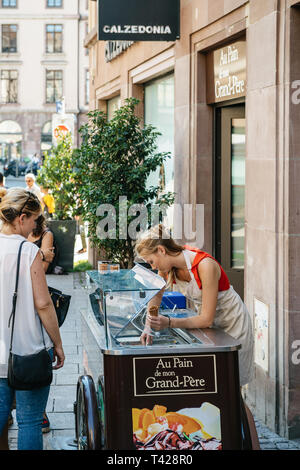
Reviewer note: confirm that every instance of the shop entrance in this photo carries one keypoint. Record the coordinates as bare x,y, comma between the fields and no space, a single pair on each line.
230,192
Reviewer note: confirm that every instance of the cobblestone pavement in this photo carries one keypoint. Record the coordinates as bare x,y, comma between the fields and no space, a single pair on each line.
63,389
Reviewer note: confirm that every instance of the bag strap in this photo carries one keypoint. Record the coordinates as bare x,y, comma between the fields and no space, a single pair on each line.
14,302
15,296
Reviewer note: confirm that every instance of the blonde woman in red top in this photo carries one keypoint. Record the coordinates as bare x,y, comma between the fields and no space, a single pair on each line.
201,279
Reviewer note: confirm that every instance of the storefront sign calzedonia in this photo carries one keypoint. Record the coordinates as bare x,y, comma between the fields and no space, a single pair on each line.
135,20
226,72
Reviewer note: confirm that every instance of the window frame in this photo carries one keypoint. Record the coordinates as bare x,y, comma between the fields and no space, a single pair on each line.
55,32
54,6
17,28
9,6
54,81
9,80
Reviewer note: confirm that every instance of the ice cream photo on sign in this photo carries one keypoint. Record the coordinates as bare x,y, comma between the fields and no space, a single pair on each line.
186,429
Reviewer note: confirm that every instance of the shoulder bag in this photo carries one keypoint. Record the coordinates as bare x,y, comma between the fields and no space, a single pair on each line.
61,304
31,371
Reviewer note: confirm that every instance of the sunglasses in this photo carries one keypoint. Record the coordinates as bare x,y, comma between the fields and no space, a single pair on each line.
30,196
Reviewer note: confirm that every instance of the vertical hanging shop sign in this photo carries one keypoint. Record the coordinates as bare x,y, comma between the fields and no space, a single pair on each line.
226,72
133,20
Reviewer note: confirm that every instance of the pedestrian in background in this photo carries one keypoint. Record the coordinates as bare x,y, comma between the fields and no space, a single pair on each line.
48,201
81,232
43,238
33,187
19,210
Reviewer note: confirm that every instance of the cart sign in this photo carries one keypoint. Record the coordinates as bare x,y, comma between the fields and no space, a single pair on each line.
135,20
174,375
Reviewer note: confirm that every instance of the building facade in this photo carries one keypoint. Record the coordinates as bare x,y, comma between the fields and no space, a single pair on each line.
227,98
42,60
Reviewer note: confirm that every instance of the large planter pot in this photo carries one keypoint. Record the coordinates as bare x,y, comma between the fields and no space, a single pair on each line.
64,232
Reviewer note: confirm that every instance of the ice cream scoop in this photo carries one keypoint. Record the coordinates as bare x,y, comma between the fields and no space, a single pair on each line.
153,311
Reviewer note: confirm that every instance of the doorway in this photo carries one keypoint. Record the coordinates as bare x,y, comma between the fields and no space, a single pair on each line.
230,193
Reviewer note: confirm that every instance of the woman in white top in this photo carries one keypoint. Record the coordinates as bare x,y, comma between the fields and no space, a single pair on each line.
19,210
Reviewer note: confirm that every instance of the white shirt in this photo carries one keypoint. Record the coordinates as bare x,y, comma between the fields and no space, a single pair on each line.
27,338
35,190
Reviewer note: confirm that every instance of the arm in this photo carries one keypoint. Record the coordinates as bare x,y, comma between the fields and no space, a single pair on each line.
45,308
46,248
209,273
156,300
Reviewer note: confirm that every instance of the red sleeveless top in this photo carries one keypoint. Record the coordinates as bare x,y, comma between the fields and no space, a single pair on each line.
224,283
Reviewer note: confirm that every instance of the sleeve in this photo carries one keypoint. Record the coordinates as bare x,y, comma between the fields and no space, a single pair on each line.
32,251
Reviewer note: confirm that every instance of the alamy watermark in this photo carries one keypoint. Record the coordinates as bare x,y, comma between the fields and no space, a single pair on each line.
129,222
296,94
296,353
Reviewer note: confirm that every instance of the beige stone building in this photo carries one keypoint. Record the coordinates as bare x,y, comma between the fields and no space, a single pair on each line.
42,59
226,97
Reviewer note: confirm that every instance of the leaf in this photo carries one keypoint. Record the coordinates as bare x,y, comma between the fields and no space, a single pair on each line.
115,159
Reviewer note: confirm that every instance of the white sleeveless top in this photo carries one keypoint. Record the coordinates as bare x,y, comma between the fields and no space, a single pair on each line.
27,337
231,315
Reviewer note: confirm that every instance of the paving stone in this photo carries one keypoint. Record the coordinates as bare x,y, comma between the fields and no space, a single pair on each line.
69,368
268,446
62,421
67,379
282,445
63,405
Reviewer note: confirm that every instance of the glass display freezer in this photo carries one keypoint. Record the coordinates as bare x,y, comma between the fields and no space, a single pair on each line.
180,392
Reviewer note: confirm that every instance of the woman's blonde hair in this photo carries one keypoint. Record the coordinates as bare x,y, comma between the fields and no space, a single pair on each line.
3,191
18,201
156,236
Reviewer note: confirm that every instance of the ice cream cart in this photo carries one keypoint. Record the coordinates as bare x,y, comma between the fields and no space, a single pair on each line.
180,392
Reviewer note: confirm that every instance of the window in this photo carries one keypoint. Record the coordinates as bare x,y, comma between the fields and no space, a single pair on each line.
10,141
54,80
9,86
9,38
46,137
112,105
54,3
53,38
159,112
9,3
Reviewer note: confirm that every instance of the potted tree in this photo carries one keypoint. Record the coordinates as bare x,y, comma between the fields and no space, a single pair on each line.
57,174
112,171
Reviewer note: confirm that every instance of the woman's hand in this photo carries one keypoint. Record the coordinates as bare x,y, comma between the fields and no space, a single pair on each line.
146,337
158,323
48,254
59,357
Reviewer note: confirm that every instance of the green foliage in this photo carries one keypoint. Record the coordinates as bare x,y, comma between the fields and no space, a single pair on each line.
115,160
81,266
57,174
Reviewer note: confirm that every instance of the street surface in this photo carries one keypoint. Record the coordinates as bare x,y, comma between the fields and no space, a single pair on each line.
11,182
